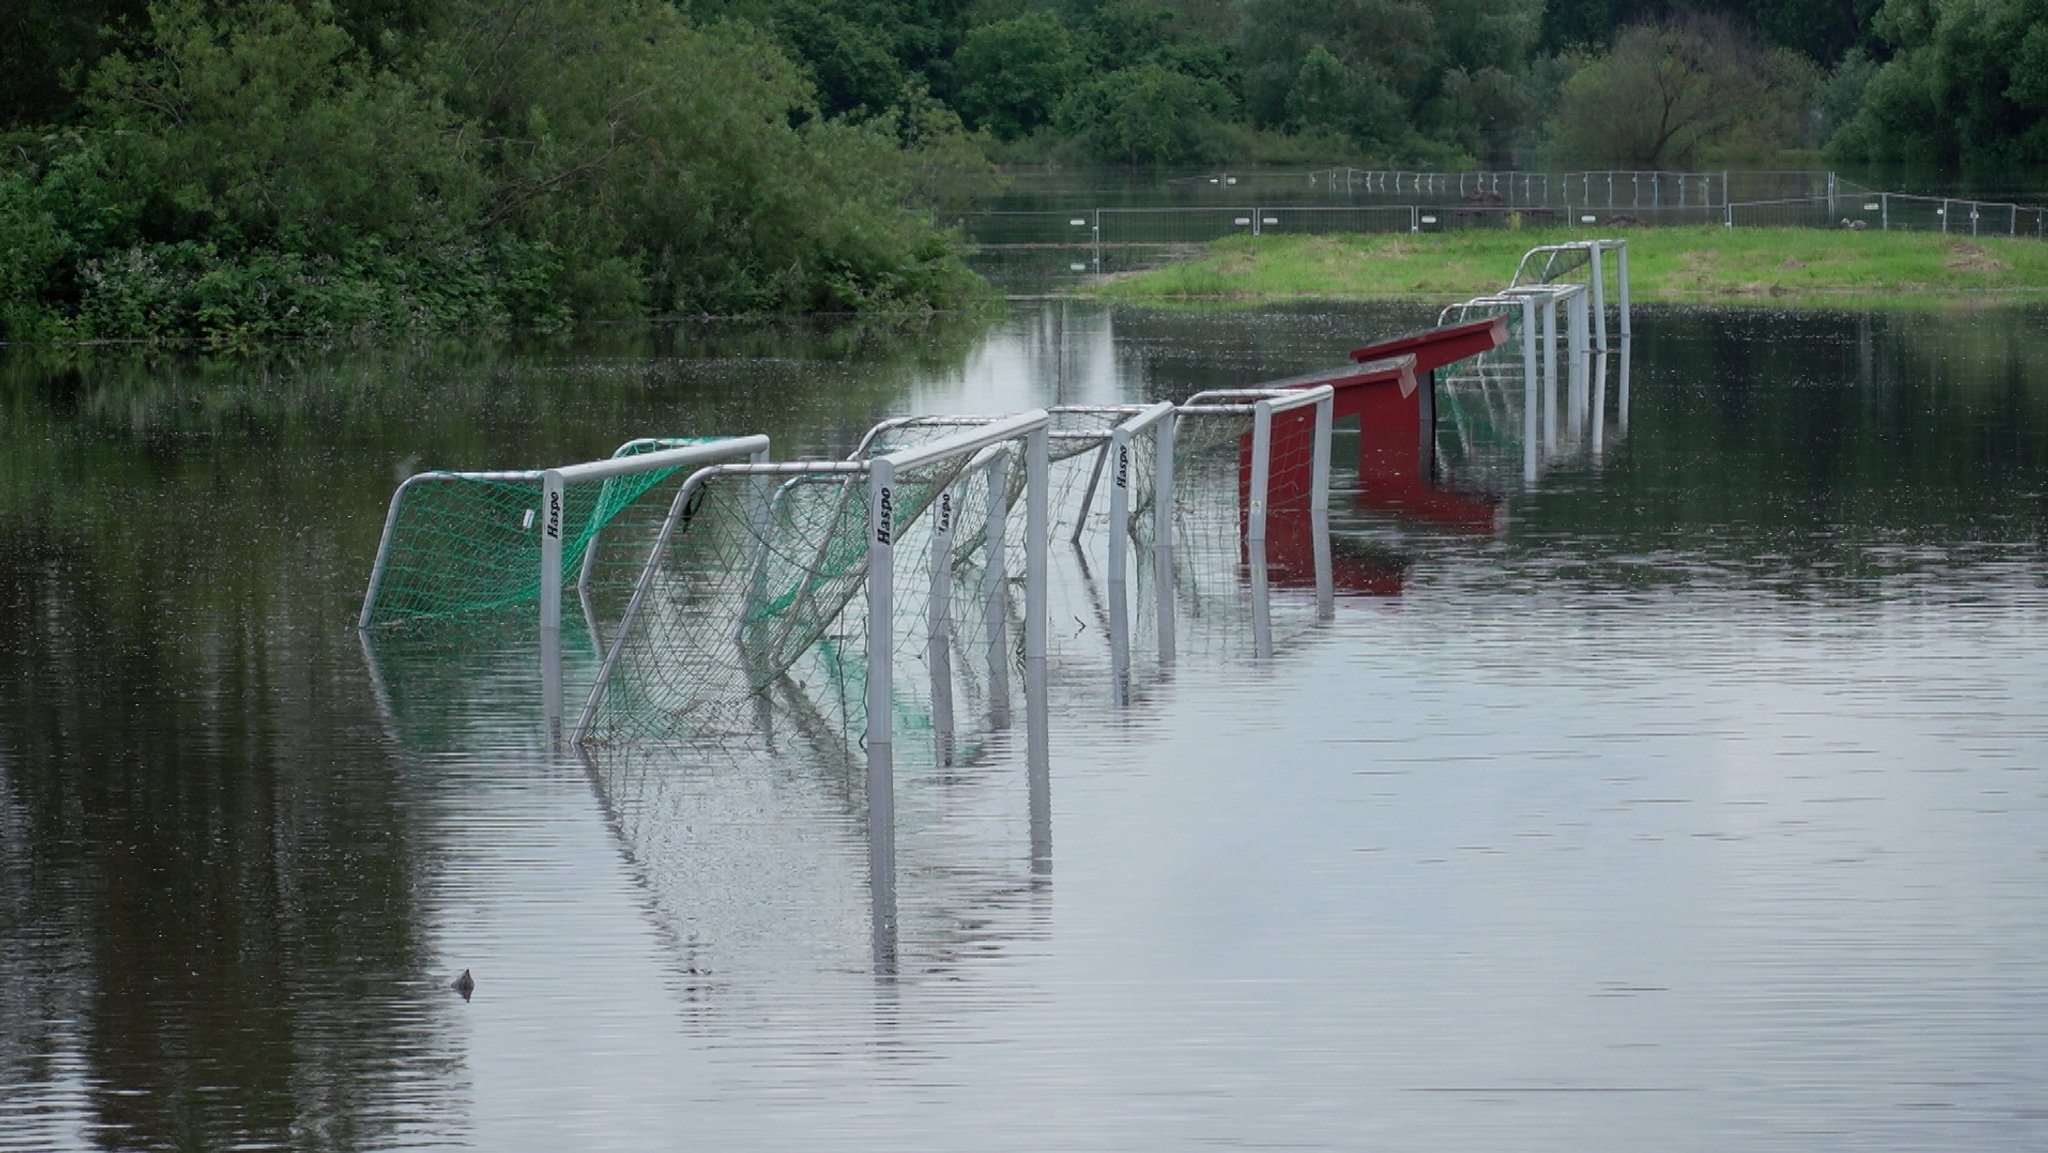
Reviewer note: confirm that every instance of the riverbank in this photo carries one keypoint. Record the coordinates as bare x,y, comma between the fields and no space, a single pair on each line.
1703,264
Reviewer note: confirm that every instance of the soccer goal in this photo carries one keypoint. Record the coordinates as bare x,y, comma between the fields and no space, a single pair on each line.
456,543
1104,471
1550,264
1251,494
825,575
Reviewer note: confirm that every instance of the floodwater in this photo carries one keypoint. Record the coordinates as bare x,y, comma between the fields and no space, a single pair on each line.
1685,794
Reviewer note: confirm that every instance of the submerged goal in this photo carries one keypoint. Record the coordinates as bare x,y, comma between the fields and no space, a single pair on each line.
456,543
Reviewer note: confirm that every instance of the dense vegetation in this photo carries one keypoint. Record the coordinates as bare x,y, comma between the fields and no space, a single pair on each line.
269,170
291,168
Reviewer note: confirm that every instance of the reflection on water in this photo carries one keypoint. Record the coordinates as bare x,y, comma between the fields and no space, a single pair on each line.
1692,787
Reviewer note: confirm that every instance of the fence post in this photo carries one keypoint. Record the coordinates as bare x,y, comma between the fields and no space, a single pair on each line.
1884,211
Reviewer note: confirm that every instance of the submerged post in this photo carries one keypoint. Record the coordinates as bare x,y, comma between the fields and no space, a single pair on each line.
1599,279
1261,481
939,628
1037,518
995,597
1621,282
1576,359
1319,455
1550,371
1530,400
551,502
881,769
1162,532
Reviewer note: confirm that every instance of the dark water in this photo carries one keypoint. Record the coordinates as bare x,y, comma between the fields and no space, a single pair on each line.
1688,796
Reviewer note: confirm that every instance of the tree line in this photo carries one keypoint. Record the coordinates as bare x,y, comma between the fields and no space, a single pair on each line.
273,168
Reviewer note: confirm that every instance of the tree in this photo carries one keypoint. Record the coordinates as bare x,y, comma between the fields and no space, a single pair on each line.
1388,42
1014,73
1690,90
270,128
1968,82
1149,114
676,168
1328,94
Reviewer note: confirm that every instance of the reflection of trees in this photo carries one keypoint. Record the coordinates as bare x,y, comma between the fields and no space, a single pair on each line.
219,902
211,922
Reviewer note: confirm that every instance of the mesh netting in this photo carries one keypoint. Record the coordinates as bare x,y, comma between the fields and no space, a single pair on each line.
461,542
1214,583
1548,266
759,587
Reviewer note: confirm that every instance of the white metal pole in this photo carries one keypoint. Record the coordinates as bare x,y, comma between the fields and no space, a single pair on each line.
1530,401
939,627
1599,279
1621,283
384,551
1037,518
1119,507
1621,386
1162,531
1599,413
1262,600
1262,467
1319,455
551,512
881,772
995,592
1550,372
1576,360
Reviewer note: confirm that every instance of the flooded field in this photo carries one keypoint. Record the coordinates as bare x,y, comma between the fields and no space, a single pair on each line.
1687,791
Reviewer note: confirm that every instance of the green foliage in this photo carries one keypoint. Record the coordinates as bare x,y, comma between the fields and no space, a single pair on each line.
1843,92
256,172
1148,114
1014,73
271,128
45,45
1399,77
1821,30
1968,82
1692,90
687,170
859,54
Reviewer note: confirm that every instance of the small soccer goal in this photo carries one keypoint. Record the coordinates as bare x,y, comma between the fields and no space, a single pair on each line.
1251,494
826,577
1552,264
457,543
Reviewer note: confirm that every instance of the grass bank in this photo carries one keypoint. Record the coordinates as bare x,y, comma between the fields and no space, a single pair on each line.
1789,266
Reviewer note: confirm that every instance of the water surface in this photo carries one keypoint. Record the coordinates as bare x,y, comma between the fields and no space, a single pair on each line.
1689,792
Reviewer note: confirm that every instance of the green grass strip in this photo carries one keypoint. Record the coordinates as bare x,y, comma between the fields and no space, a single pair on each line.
1785,266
